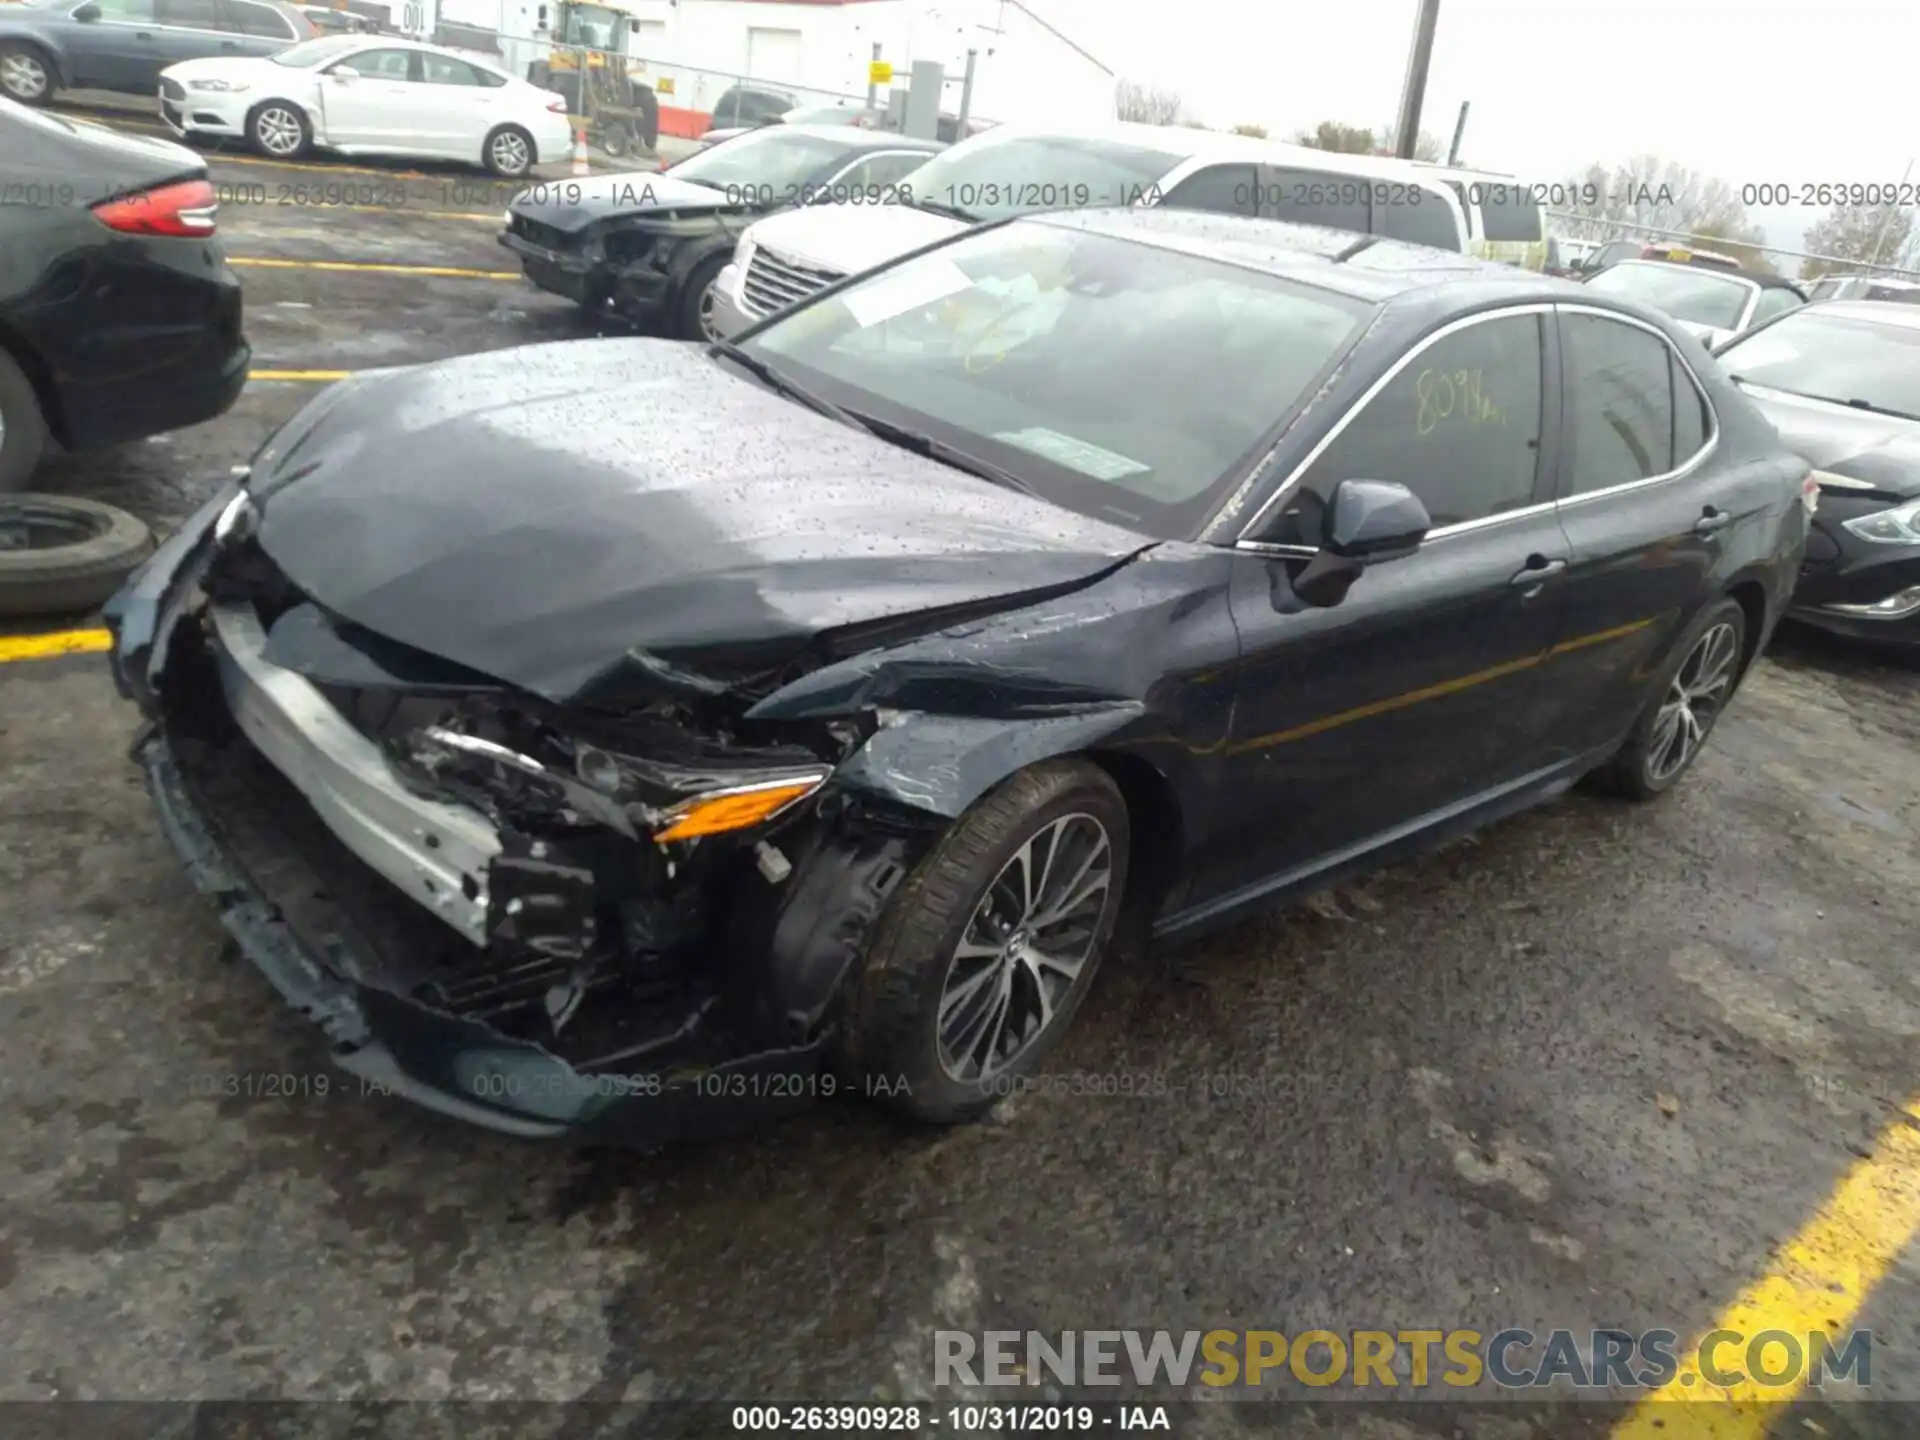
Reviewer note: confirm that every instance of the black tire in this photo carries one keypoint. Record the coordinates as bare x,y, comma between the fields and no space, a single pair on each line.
890,1038
27,61
493,152
75,553
687,324
1643,769
279,130
23,429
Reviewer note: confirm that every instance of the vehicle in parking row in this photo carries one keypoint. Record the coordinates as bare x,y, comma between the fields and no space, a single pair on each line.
1614,251
51,45
1712,304
835,697
1010,171
649,246
370,95
119,317
946,128
1841,383
1864,287
1506,218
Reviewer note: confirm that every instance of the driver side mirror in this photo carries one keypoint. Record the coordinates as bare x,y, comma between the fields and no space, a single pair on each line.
1367,522
344,73
86,14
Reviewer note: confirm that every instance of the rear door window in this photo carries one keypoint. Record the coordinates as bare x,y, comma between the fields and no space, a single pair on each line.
1619,391
1414,214
1224,189
261,20
1316,197
191,14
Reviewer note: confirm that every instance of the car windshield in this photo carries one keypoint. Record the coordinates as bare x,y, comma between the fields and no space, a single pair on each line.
1684,293
771,160
989,178
1834,357
1118,379
309,53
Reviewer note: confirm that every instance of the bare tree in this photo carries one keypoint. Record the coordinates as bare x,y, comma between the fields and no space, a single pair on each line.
1148,104
1360,140
1333,135
1652,191
1258,132
1860,235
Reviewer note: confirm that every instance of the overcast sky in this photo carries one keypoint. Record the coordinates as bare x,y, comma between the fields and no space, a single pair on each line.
1789,92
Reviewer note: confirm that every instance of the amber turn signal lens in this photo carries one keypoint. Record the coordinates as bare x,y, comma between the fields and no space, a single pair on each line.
733,809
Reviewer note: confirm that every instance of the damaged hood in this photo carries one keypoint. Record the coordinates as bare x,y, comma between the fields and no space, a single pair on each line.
599,518
1863,445
575,204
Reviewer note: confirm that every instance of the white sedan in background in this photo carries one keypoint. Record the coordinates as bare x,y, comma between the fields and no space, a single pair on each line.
369,95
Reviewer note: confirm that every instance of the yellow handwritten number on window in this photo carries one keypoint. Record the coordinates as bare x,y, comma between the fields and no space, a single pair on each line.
1454,395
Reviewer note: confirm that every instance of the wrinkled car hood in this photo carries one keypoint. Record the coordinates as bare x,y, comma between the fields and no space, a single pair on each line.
581,519
238,67
850,238
574,204
1883,450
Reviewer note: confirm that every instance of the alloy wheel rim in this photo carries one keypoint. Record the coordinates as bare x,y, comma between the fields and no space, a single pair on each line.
510,153
1028,941
1700,688
24,76
706,314
279,132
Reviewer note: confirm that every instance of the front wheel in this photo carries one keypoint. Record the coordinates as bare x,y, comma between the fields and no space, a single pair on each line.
1693,693
987,950
279,130
694,320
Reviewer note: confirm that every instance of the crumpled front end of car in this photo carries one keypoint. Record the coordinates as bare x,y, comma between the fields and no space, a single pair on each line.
629,924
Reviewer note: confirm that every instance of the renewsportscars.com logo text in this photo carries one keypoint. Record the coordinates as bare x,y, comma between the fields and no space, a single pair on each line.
1514,1359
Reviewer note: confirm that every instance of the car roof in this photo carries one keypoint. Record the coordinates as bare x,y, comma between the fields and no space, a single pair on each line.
1882,312
857,137
1362,267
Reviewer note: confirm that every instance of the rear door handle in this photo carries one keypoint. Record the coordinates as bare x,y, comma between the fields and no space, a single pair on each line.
1712,520
1537,573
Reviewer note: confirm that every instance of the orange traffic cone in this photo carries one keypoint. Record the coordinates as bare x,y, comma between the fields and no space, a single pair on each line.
581,164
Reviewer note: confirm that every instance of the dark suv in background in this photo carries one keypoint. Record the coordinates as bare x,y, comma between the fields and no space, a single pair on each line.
49,45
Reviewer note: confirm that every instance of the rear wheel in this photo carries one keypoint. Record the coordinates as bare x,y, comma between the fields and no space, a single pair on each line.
1692,695
509,152
25,73
987,950
279,130
23,429
62,556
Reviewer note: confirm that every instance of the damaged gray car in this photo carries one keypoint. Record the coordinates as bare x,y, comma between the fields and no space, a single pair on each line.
630,739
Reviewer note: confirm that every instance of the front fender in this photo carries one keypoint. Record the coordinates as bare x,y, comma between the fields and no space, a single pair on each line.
46,44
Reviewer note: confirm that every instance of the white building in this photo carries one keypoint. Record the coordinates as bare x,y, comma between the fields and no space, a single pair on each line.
1026,70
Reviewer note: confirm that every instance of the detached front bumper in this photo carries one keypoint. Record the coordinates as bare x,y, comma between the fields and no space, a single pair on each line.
308,855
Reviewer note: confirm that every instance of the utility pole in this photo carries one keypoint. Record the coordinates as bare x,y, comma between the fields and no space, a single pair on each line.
1459,134
1414,94
1880,241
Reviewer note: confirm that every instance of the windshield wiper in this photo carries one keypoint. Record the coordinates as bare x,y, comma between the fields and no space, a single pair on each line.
952,212
782,385
936,449
1856,404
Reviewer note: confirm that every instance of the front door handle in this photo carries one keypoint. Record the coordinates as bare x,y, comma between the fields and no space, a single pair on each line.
1537,573
1711,520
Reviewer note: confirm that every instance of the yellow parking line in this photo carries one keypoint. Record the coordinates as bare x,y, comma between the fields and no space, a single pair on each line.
298,374
56,642
1817,1285
491,219
375,269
